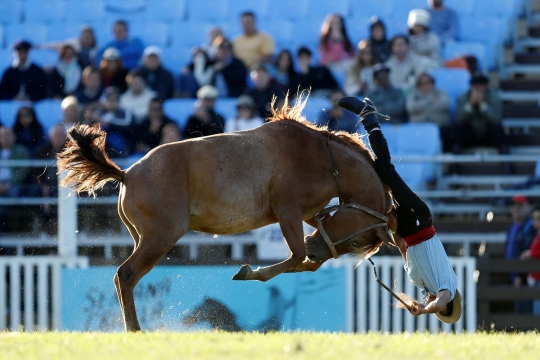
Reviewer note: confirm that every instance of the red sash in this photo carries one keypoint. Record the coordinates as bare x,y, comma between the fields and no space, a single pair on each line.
421,236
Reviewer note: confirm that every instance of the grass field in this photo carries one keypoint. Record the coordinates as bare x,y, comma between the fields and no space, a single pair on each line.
214,345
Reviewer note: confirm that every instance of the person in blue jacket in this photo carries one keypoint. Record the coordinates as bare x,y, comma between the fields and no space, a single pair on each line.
131,49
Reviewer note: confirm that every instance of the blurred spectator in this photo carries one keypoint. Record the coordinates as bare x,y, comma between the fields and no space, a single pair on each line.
388,99
85,46
231,72
23,80
534,253
335,47
252,47
246,116
264,90
148,132
379,42
337,118
90,90
444,21
205,121
12,179
130,49
318,78
479,116
69,69
170,133
360,75
405,65
71,112
210,47
112,70
137,98
519,238
423,41
202,67
282,70
156,76
117,122
28,130
90,114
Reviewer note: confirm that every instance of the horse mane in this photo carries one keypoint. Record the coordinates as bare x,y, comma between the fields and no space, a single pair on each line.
294,113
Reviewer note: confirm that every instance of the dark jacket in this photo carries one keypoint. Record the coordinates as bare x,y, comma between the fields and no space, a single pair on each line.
32,81
390,101
318,78
84,98
31,137
161,81
195,127
263,98
235,74
118,80
144,136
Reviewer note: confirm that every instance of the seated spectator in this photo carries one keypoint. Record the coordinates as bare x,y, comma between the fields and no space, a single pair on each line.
148,132
282,70
379,42
359,78
519,239
534,253
318,78
12,179
388,99
335,47
91,89
117,122
205,121
230,72
130,49
69,69
337,118
85,46
479,117
202,68
90,114
71,112
24,80
246,116
210,46
112,71
405,65
156,76
264,90
138,96
444,21
252,47
423,41
28,130
170,133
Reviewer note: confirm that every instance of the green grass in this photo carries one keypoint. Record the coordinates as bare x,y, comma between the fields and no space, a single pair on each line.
312,346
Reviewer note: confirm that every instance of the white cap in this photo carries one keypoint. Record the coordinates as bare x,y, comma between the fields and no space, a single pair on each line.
111,54
207,92
419,17
152,50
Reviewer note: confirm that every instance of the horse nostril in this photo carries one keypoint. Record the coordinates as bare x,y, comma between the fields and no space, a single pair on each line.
312,257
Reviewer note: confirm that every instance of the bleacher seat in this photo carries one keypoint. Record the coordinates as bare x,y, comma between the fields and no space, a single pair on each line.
306,32
226,107
85,11
280,30
49,112
63,31
401,8
151,33
319,9
259,8
201,11
232,29
166,10
380,8
187,34
454,81
175,59
130,18
462,7
487,30
10,11
314,107
6,59
457,49
102,31
35,33
413,175
45,11
395,25
390,132
289,9
125,6
179,110
9,109
44,58
500,8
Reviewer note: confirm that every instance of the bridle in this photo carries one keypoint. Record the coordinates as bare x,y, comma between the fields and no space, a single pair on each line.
321,214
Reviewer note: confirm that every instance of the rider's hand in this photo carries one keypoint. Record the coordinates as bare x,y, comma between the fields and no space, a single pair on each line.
416,309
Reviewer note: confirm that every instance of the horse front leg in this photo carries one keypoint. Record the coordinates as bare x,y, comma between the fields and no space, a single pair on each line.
291,226
307,265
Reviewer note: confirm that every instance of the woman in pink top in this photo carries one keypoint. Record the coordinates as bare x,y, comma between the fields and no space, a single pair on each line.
336,50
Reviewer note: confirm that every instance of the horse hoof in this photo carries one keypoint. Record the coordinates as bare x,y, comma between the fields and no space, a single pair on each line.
243,273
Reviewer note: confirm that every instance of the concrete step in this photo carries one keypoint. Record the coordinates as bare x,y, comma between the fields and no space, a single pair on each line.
522,69
521,111
520,96
528,42
531,58
520,85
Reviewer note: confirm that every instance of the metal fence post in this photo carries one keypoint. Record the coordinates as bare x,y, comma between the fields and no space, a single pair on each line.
67,221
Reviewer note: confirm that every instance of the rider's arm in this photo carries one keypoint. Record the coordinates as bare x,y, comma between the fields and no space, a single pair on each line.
435,306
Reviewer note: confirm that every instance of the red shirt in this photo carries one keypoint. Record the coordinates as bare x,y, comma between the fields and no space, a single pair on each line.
535,254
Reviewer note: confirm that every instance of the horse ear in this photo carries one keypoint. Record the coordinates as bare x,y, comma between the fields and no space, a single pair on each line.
384,235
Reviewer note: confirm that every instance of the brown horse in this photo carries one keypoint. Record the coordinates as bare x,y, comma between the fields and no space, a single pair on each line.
284,171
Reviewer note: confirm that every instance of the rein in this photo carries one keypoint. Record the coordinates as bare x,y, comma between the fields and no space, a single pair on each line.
386,287
320,215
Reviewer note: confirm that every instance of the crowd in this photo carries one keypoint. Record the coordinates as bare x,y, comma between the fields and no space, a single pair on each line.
121,87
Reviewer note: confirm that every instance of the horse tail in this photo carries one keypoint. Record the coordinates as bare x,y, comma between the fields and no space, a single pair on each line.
85,158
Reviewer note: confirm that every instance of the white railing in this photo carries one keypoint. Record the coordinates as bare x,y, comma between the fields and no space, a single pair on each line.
23,279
